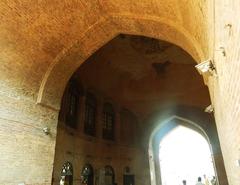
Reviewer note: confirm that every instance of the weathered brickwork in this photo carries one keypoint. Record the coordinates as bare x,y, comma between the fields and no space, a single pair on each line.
226,87
75,146
43,43
22,138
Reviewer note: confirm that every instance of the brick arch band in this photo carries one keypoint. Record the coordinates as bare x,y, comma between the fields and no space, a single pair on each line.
71,58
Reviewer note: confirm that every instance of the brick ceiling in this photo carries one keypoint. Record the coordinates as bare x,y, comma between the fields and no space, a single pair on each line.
144,73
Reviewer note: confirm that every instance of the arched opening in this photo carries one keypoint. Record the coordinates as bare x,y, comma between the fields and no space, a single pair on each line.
87,175
138,75
162,130
42,53
109,175
44,43
185,154
67,174
69,60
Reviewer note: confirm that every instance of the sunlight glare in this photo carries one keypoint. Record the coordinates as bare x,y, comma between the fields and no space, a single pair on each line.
184,155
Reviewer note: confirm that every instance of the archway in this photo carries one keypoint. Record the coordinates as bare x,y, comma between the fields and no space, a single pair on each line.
89,72
69,60
67,173
109,175
57,22
87,175
184,154
163,128
123,39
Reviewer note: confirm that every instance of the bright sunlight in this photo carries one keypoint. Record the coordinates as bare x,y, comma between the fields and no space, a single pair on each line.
184,155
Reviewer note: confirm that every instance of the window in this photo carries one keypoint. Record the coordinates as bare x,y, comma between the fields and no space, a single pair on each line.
67,173
90,114
108,121
109,175
87,174
72,104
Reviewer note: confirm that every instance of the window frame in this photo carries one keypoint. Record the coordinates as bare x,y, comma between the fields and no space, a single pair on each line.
72,108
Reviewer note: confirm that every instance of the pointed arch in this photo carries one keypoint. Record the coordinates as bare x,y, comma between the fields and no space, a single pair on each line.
72,57
164,127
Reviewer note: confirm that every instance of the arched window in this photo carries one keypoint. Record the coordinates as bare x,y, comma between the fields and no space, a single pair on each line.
72,104
90,114
87,174
67,173
108,121
109,175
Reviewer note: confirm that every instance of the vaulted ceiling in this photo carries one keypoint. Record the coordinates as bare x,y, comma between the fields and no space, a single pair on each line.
43,42
144,74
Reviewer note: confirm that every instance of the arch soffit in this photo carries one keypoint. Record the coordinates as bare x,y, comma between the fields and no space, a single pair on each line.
66,63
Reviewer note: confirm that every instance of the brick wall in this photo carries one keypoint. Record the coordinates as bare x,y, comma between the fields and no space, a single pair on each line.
75,146
35,37
225,89
21,124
